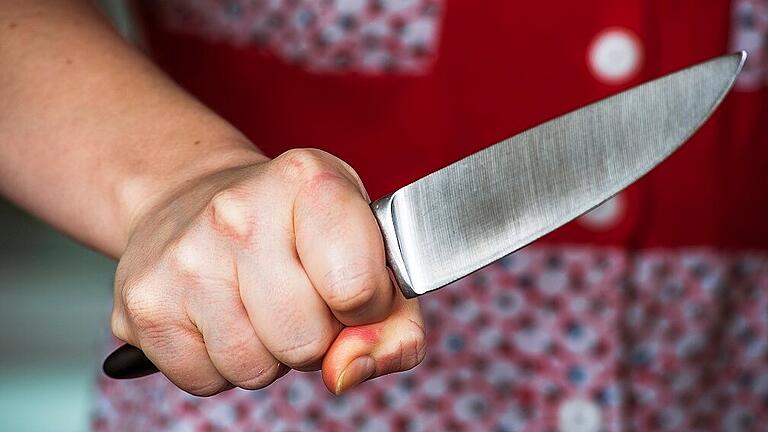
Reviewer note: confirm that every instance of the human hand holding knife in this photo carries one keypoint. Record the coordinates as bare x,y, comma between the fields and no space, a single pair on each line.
322,269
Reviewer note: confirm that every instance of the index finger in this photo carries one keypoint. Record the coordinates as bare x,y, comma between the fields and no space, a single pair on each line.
341,248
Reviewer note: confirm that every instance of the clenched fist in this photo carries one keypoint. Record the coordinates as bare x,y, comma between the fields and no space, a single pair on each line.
243,274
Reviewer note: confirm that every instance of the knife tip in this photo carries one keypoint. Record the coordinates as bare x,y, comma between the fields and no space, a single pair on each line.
742,55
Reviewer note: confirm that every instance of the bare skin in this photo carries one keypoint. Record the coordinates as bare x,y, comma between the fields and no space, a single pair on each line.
233,268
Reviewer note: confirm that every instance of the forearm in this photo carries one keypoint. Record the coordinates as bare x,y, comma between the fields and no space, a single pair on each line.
90,131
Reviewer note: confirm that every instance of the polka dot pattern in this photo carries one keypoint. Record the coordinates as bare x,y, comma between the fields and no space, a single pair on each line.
615,56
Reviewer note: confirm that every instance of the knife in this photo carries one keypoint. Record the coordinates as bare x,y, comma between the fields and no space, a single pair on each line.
467,215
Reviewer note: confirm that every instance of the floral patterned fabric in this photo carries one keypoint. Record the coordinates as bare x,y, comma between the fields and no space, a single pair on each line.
662,340
370,36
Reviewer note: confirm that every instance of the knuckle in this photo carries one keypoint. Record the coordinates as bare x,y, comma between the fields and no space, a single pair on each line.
349,290
259,377
136,300
143,307
118,322
315,170
186,256
303,353
413,347
234,350
238,360
355,179
119,327
229,212
300,163
324,186
207,387
243,364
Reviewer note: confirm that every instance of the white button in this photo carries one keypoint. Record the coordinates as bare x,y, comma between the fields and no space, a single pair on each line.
605,216
578,415
615,55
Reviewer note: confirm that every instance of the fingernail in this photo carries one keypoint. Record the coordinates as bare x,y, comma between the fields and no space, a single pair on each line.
357,371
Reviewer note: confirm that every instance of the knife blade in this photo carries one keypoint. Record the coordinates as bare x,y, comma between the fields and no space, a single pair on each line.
469,214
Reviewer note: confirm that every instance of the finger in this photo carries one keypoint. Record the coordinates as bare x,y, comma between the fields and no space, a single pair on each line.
230,340
289,316
340,247
148,320
290,319
360,353
181,355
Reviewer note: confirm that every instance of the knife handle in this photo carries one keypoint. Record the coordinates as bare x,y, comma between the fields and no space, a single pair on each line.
128,362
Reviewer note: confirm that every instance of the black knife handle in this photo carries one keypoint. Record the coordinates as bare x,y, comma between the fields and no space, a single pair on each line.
128,362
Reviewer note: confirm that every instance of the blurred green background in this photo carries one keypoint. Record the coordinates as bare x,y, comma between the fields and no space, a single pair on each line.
54,312
55,298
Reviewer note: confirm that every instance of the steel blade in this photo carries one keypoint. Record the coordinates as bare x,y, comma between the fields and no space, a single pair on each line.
481,208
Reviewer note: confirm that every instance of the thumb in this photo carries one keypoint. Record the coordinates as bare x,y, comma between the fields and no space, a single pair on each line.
369,351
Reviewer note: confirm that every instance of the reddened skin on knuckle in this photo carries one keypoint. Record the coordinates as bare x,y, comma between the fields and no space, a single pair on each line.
355,179
317,160
230,214
315,169
298,164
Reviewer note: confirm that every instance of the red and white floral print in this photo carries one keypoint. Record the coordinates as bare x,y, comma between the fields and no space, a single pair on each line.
659,340
330,36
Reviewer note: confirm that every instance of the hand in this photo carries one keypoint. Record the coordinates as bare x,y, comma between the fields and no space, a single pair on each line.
244,273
